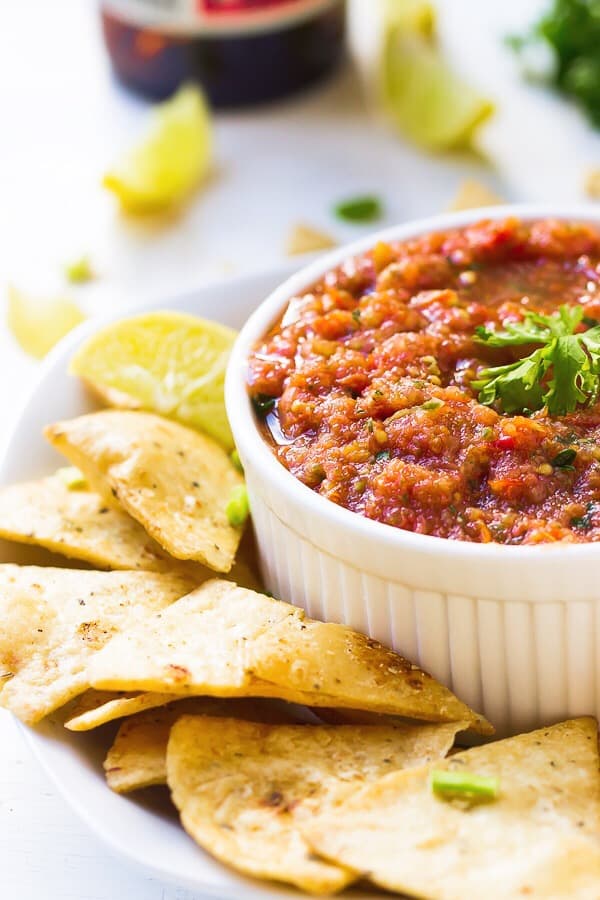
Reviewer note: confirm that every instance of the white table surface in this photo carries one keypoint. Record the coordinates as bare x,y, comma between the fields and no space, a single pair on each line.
63,119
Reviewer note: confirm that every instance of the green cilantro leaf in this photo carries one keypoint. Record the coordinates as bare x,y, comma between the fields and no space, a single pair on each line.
570,376
534,329
517,385
561,375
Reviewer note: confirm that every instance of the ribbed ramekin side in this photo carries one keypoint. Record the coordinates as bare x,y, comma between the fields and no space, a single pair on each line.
522,664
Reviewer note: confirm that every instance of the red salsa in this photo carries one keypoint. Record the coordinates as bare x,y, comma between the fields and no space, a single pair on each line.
367,386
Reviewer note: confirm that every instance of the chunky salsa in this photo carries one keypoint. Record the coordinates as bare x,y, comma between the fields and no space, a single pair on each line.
369,387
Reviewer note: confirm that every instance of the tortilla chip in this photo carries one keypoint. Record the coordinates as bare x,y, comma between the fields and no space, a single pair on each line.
591,184
95,708
54,621
174,481
138,756
225,641
408,840
244,788
81,525
340,667
472,194
306,239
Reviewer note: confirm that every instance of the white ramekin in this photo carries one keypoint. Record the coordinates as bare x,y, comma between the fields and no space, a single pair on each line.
514,631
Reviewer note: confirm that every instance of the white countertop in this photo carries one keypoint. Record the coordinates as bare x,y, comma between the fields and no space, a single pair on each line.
63,120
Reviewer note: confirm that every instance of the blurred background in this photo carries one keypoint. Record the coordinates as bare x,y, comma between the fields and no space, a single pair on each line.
394,101
311,123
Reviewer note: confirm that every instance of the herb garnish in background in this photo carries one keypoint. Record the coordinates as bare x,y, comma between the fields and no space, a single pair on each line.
561,374
570,31
359,209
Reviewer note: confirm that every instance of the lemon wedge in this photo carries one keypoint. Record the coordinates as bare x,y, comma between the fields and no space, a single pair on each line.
427,100
170,363
38,324
171,161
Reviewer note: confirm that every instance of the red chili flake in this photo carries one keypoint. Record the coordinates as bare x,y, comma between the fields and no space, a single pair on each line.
506,442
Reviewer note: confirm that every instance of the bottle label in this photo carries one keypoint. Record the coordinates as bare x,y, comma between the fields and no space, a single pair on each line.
216,16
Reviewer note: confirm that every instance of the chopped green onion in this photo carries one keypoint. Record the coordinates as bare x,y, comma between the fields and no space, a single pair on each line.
238,506
565,458
234,456
72,478
453,783
359,209
79,270
263,404
434,403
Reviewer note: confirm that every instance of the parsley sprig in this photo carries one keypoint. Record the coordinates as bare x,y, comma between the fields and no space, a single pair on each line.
561,374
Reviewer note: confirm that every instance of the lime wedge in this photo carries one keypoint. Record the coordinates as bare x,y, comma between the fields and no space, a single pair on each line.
38,324
166,362
413,16
169,163
429,103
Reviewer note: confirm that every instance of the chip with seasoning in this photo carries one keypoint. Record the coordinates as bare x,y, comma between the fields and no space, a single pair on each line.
138,755
78,524
174,481
536,837
223,640
243,789
54,621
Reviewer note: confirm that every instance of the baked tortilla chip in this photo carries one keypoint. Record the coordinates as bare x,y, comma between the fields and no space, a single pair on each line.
54,621
95,708
81,525
138,756
222,640
317,658
78,524
174,481
520,845
243,788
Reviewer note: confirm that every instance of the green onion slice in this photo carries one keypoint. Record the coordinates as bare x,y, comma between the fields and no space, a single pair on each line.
238,506
450,784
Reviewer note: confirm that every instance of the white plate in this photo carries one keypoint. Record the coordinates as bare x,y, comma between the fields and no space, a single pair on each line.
145,829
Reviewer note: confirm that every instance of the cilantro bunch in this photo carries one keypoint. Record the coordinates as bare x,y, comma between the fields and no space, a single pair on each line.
570,29
561,374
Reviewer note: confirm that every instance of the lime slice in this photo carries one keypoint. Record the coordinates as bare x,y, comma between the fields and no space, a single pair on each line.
166,362
38,324
430,104
170,162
